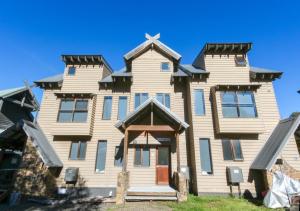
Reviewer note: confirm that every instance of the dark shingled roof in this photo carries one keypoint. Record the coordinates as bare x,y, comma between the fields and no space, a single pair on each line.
267,156
55,78
262,73
41,143
38,138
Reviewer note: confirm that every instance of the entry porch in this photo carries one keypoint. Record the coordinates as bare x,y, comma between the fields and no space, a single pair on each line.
151,152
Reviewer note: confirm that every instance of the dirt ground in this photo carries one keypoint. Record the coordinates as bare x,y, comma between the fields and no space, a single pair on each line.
133,206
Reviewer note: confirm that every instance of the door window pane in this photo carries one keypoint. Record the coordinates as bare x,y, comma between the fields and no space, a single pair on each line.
101,156
122,107
199,102
119,156
205,156
107,106
163,156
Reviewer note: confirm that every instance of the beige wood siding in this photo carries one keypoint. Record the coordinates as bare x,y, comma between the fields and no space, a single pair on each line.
223,71
85,79
290,153
147,77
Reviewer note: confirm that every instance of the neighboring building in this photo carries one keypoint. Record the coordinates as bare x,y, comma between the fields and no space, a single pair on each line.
214,113
17,132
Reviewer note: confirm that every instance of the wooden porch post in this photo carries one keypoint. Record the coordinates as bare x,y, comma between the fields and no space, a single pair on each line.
125,151
177,151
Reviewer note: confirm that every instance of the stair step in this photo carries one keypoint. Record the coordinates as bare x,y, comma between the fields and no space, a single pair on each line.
153,198
138,193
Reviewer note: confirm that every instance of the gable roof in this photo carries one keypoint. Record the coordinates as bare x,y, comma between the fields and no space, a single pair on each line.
7,93
10,92
41,143
131,116
267,156
38,138
52,79
148,44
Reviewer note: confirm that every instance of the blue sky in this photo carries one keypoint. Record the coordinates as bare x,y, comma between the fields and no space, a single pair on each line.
33,35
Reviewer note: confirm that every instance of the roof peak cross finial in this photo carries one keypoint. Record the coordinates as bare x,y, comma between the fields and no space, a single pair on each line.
155,37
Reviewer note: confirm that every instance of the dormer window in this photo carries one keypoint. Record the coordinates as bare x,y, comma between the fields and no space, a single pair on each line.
240,61
165,66
71,71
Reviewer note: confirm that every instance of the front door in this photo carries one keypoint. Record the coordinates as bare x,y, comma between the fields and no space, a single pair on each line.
162,165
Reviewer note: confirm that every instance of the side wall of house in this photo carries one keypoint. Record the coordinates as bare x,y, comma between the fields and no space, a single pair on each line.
224,71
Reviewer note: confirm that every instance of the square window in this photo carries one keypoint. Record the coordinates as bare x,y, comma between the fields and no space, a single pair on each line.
142,156
240,61
71,71
232,150
165,66
78,150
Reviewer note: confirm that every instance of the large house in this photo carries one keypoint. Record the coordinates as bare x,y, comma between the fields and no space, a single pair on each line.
157,117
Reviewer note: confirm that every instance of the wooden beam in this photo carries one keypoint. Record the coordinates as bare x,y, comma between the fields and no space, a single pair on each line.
177,151
19,103
125,151
162,128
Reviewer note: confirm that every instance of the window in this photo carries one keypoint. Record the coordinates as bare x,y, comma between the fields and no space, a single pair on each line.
107,105
119,156
140,98
205,156
232,150
164,99
165,66
77,151
238,104
240,61
73,110
101,156
142,156
71,71
122,107
199,102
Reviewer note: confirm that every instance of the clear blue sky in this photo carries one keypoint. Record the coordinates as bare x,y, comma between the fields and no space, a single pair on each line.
33,34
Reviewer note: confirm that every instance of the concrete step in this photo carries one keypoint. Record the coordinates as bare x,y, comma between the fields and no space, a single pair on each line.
152,193
150,198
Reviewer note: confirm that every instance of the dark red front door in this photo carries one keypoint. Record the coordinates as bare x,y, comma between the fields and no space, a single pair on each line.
162,165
